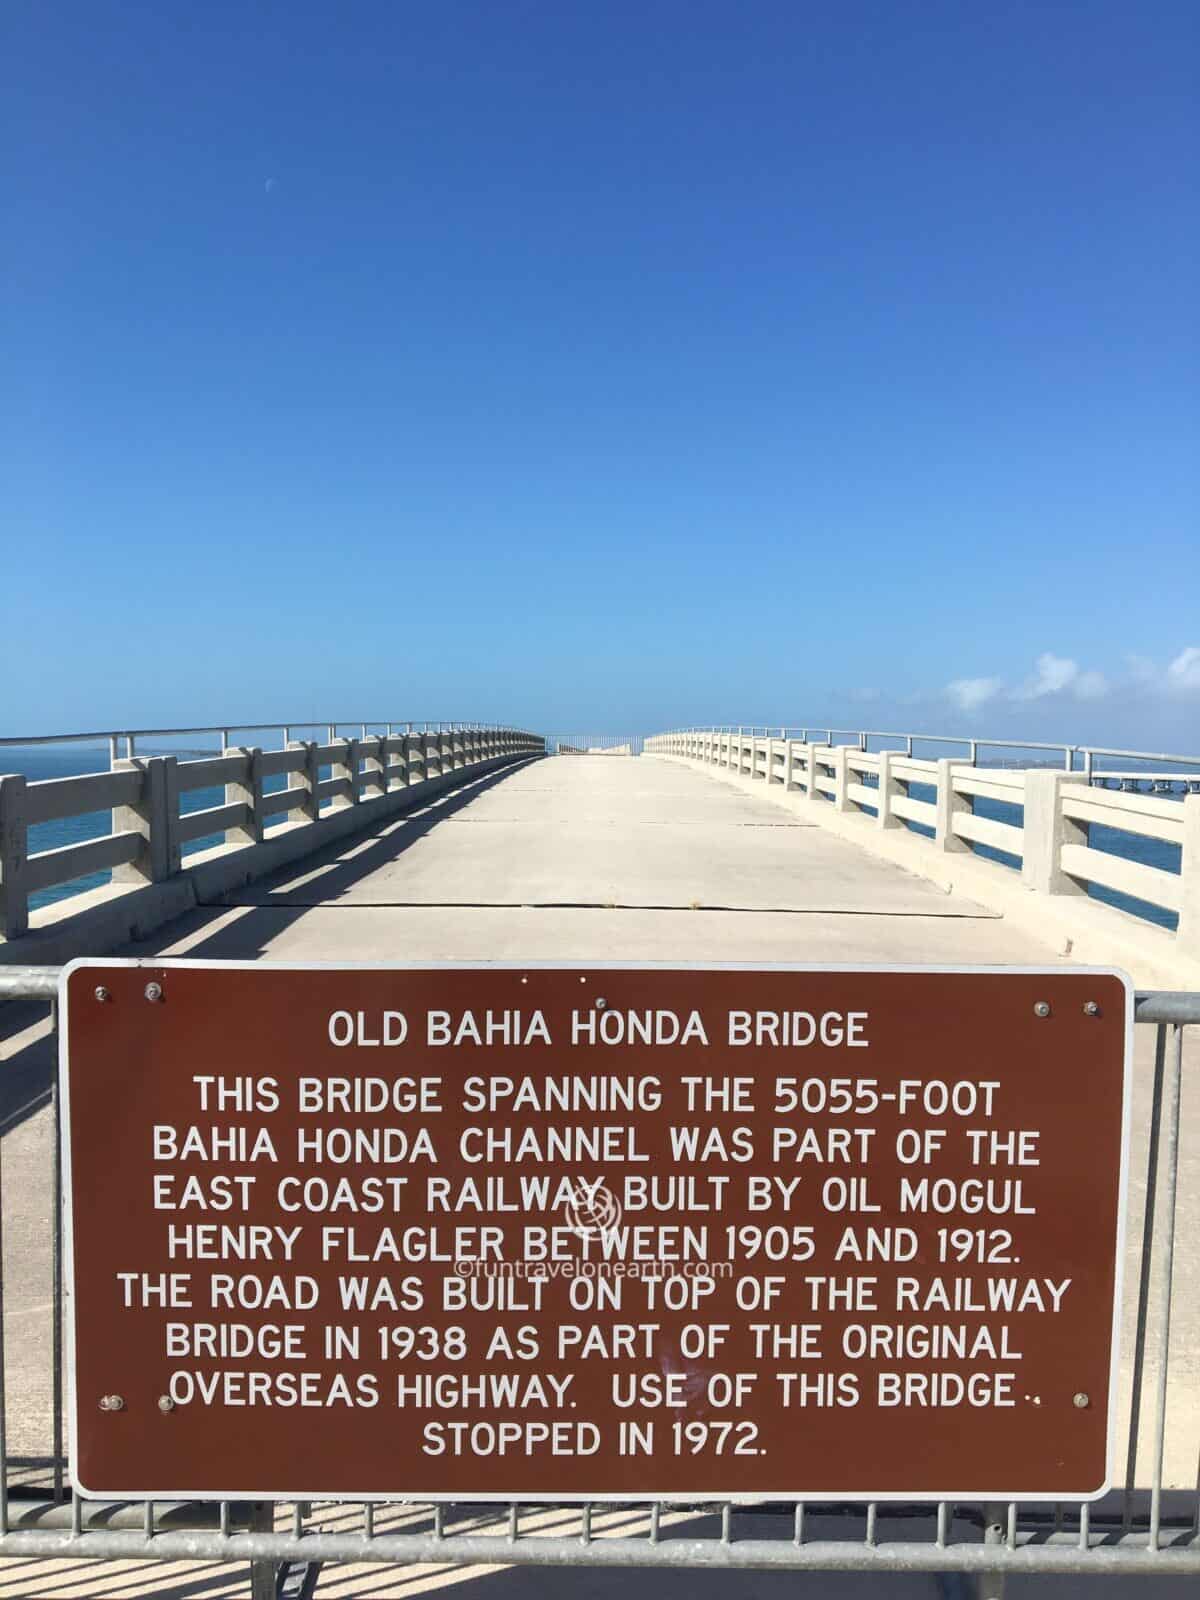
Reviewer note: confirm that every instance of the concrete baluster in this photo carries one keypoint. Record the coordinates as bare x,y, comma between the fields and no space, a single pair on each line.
155,815
841,777
14,897
789,746
890,788
950,804
1045,832
812,754
304,782
247,792
342,769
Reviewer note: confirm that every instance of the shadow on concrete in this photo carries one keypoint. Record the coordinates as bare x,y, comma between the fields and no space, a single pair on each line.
29,1045
273,903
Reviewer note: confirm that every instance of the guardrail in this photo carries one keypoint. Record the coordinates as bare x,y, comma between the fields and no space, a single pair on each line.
594,744
861,738
149,829
1046,835
1139,1528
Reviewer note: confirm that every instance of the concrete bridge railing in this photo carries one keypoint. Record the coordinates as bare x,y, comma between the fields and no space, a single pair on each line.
261,825
1048,836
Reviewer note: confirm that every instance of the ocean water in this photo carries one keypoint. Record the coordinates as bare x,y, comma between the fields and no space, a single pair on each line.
60,761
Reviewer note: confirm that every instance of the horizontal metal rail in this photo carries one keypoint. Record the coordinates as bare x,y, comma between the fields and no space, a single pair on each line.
1030,1553
410,725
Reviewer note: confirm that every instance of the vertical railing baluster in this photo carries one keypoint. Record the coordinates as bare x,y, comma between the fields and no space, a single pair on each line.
1143,1301
1171,1156
3,1388
56,1272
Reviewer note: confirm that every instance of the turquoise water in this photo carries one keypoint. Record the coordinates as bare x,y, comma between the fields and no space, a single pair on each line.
61,761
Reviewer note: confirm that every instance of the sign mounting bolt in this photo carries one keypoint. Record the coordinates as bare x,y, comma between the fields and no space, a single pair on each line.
165,1403
111,1402
154,991
1090,1008
1041,1008
102,994
1081,1401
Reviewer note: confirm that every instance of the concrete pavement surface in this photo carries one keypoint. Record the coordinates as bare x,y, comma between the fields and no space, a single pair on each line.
569,858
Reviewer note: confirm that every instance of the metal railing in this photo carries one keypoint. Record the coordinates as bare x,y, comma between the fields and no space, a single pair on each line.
264,792
594,744
1041,818
113,737
1140,1528
1075,757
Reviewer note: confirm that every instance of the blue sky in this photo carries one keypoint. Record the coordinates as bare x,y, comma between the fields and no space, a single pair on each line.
603,364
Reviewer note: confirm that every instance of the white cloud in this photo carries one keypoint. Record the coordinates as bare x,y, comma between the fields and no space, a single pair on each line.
970,693
1184,671
1051,675
1060,675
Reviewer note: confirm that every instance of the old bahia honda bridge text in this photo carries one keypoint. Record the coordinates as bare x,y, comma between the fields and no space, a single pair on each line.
601,1025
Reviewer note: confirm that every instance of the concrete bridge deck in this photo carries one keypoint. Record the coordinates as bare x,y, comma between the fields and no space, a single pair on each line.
570,857
561,858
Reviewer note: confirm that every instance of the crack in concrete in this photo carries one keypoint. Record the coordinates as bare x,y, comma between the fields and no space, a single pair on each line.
292,904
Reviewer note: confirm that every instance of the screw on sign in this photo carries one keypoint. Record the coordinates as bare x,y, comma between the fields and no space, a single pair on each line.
467,1233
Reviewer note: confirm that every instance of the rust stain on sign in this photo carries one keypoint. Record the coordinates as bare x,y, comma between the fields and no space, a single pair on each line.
556,1232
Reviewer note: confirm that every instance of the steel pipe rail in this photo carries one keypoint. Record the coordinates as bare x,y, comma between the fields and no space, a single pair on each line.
1033,1553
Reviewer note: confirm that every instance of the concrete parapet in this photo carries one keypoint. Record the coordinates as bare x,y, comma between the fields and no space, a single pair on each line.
1086,928
99,920
144,850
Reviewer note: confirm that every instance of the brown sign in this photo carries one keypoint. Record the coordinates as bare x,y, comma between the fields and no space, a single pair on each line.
564,1232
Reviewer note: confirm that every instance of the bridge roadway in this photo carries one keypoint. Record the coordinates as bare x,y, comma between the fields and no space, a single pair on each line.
576,857
564,858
